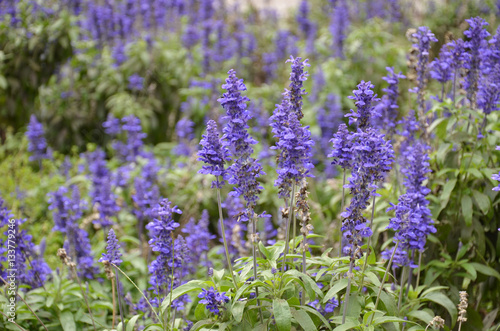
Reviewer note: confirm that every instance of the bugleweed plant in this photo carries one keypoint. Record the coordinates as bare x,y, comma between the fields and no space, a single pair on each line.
254,210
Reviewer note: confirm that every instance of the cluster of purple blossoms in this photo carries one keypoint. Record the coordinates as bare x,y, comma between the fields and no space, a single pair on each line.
160,232
386,111
184,131
327,308
475,44
424,37
214,154
113,254
364,100
213,300
294,141
372,157
235,230
101,193
342,145
135,82
339,24
132,129
198,238
245,170
37,144
26,253
412,222
67,211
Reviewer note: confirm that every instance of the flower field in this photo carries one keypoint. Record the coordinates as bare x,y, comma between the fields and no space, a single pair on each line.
214,165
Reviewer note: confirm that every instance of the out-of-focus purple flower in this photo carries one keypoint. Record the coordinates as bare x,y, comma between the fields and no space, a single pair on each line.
488,96
112,125
476,35
364,99
214,154
339,24
135,82
325,309
67,211
386,111
37,144
328,117
101,193
119,54
497,178
441,68
235,230
160,231
112,254
245,169
213,300
297,78
198,238
424,37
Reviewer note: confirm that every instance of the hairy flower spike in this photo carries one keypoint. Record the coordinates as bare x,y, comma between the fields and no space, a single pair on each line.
297,77
364,99
113,254
342,145
386,111
213,300
462,307
37,144
214,154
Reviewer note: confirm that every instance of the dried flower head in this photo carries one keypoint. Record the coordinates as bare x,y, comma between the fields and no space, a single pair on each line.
462,306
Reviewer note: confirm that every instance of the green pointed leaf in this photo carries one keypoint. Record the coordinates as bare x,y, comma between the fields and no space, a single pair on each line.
340,285
304,320
470,270
467,209
237,310
201,324
67,321
482,201
444,301
131,323
264,251
282,315
181,290
485,270
316,313
421,315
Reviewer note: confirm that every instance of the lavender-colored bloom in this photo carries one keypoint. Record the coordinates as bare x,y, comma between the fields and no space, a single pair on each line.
339,24
372,159
213,300
440,67
326,309
37,144
424,37
101,193
245,169
191,35
318,85
184,131
160,231
112,125
328,117
342,148
364,99
134,146
386,111
113,254
297,78
198,238
214,154
235,230
67,211
476,35
135,82
488,96
270,231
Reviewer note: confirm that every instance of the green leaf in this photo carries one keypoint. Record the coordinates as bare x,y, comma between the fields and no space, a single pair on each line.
447,189
200,324
131,323
181,290
482,201
316,313
444,301
282,315
237,310
199,312
304,320
67,321
342,284
471,270
422,315
467,209
264,251
388,319
485,270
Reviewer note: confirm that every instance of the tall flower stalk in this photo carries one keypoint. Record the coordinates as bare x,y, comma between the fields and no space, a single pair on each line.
214,154
245,170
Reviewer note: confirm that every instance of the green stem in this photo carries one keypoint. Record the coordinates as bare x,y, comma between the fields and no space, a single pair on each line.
73,268
7,317
368,247
419,264
140,291
383,281
401,289
348,292
287,233
171,278
254,254
223,232
119,298
341,210
304,268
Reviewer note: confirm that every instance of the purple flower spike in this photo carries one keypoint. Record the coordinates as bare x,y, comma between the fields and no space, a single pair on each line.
214,155
364,99
37,144
297,77
113,254
342,145
213,300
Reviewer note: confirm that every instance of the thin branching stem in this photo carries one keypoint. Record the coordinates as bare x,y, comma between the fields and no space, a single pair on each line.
368,246
287,232
142,293
223,233
348,291
418,270
73,268
120,306
114,302
254,255
401,288
341,210
383,281
20,327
